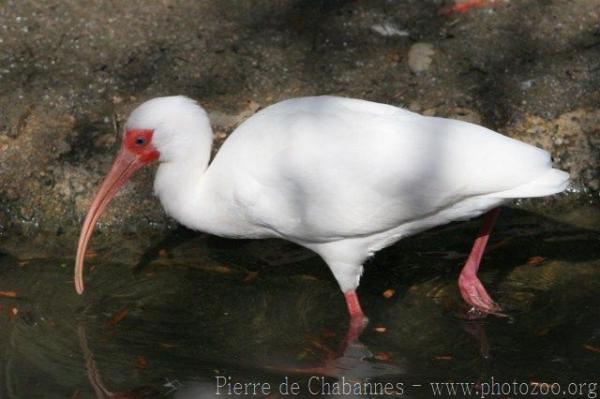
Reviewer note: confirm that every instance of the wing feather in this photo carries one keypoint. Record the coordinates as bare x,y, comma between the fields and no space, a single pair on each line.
328,167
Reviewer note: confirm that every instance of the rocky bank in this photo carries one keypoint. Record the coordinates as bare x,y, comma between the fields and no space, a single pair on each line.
70,71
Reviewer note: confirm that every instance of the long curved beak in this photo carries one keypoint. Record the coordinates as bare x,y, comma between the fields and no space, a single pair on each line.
124,166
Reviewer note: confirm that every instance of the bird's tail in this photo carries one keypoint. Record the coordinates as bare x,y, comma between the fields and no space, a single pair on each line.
551,182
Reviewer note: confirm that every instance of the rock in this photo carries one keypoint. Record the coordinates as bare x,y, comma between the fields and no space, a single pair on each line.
573,139
420,57
429,112
526,84
414,107
226,121
389,29
69,83
459,113
465,114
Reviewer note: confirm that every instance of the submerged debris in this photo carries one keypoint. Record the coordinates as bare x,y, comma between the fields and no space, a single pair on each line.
591,348
117,318
535,260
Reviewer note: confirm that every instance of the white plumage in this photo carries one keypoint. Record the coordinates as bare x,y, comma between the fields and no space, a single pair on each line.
340,176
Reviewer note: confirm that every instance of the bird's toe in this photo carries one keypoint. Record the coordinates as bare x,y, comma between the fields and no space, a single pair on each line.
476,296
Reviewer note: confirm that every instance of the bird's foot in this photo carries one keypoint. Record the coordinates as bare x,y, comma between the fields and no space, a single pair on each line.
475,295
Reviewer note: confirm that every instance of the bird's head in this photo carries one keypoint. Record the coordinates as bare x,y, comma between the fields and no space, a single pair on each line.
162,129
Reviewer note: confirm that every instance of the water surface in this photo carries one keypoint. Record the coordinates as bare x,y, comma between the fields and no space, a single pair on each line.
173,315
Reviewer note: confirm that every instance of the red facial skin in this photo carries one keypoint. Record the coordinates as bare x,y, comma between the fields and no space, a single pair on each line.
146,151
136,151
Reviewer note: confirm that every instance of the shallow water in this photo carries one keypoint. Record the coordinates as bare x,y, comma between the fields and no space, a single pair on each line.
166,315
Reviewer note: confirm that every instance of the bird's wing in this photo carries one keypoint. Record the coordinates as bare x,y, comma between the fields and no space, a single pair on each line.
339,169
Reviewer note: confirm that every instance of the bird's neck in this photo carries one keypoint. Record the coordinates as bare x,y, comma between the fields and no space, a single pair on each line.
193,197
180,185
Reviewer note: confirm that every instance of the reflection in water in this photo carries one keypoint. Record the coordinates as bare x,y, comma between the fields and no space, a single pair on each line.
353,359
476,329
353,365
96,379
201,307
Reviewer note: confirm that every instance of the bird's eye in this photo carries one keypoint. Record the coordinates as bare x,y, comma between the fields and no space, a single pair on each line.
140,140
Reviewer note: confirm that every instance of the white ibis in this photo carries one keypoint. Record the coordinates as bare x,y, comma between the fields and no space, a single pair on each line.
342,177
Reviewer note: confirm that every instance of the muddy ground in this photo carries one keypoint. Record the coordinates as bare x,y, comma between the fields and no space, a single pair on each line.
70,71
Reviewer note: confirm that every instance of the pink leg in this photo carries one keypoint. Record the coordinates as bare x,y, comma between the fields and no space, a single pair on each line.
353,304
471,288
358,320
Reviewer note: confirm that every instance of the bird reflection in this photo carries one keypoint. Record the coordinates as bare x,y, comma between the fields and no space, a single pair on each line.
476,329
353,363
353,360
95,377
